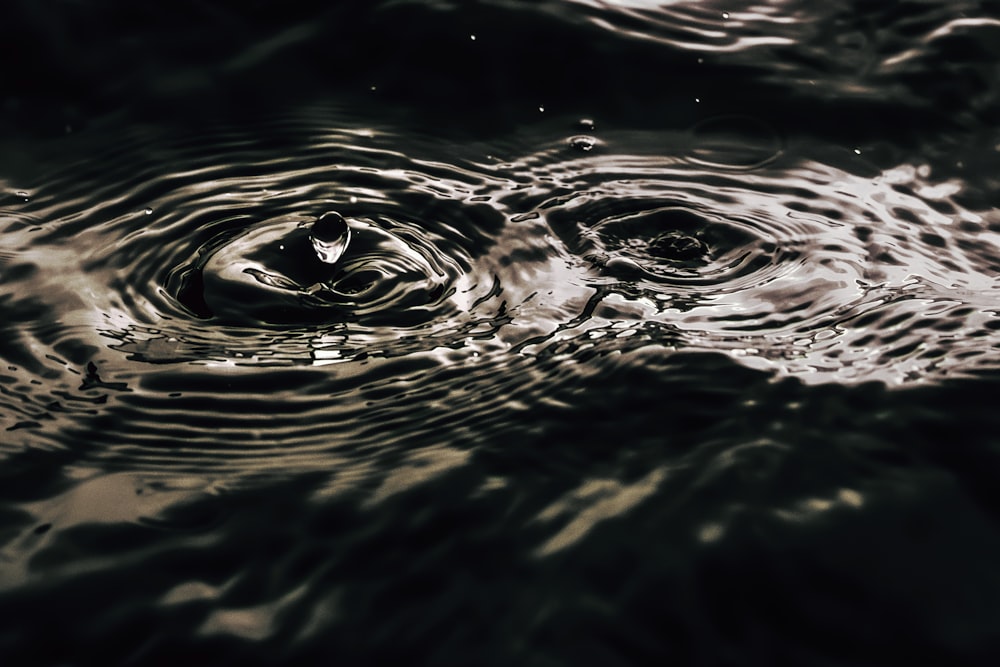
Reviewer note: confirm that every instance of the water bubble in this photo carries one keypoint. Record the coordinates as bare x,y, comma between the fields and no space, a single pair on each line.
583,143
541,108
472,37
148,211
586,124
725,16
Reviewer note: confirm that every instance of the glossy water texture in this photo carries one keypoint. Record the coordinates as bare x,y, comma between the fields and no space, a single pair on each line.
658,333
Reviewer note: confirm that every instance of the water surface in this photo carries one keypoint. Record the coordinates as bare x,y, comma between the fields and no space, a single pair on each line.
666,332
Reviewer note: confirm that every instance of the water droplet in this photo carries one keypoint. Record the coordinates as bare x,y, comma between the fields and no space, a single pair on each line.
583,143
857,151
701,61
725,16
586,124
373,88
541,108
329,236
22,194
697,99
352,199
472,37
149,211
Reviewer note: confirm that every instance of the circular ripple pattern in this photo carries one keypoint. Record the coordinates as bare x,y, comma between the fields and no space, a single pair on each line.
168,281
665,243
813,263
205,253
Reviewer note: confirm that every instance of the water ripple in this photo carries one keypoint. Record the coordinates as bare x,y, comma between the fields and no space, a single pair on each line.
784,265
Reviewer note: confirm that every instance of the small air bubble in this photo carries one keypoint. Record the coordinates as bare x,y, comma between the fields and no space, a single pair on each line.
701,61
373,88
725,15
281,247
148,211
352,199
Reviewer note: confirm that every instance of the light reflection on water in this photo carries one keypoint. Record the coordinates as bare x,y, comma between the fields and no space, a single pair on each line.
679,308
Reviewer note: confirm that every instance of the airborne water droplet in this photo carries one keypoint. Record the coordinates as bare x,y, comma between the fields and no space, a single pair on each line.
149,211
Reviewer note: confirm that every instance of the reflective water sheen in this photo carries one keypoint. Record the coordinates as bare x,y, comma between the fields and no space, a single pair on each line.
631,332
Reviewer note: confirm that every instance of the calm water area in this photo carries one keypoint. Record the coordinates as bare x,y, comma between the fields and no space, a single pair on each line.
652,333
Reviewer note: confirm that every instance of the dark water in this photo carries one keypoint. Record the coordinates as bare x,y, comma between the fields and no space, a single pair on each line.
666,334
